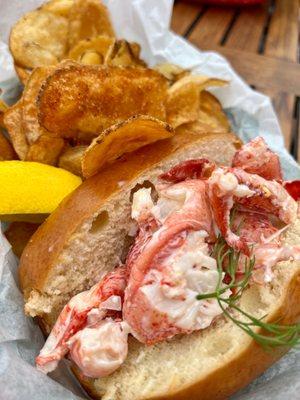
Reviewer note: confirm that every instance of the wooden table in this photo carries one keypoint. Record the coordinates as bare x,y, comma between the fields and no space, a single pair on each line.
261,43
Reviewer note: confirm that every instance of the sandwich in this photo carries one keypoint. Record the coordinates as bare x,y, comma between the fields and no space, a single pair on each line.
173,273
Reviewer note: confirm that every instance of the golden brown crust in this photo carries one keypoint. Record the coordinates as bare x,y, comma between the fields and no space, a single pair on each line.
237,373
36,261
83,90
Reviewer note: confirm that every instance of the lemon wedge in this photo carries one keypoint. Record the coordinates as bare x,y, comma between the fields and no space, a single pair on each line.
30,190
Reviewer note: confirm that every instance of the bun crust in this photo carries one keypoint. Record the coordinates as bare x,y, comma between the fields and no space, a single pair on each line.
37,260
206,365
250,362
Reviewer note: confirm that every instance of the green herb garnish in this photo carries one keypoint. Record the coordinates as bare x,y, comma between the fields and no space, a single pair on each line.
274,334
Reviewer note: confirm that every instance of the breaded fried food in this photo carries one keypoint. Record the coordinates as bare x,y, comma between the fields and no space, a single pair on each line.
89,99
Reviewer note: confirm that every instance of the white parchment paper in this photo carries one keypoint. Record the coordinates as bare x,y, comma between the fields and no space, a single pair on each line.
251,114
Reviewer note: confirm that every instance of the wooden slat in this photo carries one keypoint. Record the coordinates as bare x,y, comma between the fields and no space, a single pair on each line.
298,129
183,16
282,42
263,71
212,27
284,106
247,30
282,39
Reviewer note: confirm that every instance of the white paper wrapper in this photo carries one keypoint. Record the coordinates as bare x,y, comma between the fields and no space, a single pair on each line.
251,113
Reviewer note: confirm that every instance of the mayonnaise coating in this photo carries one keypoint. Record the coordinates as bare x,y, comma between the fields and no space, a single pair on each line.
100,350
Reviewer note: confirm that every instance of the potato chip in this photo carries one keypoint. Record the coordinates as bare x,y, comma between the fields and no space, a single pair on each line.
98,45
30,123
211,112
46,150
71,159
123,138
13,123
211,117
18,234
58,7
3,108
125,54
87,19
89,99
184,98
23,73
39,38
171,71
6,149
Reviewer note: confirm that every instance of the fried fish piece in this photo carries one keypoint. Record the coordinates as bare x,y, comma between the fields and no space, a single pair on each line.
81,98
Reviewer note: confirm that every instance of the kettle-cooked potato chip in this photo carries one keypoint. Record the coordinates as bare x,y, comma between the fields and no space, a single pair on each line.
6,149
82,98
46,150
30,123
71,159
23,73
123,53
211,112
211,117
172,72
99,45
39,38
13,123
59,7
3,108
87,19
184,98
123,138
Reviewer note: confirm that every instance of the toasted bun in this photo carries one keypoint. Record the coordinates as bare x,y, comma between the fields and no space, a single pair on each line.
87,236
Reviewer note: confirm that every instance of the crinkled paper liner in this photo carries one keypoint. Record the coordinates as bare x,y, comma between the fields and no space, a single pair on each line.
251,114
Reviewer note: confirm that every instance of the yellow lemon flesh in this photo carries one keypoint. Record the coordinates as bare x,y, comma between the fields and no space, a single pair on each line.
30,190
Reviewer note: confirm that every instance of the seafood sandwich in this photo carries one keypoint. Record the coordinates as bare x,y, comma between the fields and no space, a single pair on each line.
172,273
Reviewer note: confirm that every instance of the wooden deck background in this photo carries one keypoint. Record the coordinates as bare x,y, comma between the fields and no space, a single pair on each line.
261,43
